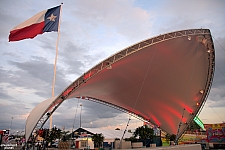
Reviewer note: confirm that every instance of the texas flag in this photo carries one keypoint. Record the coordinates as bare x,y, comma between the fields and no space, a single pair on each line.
44,21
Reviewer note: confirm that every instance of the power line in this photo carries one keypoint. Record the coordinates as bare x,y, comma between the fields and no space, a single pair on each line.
218,43
220,70
224,51
147,70
75,116
216,113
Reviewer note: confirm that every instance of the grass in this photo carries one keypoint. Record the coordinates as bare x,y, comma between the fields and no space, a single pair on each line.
165,143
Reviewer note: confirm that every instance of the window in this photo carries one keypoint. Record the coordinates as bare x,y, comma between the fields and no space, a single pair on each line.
83,143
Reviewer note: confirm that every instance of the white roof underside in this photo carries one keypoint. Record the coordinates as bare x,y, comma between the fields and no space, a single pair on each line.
35,115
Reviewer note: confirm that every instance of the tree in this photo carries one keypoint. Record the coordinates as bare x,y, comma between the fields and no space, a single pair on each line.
170,137
167,137
65,136
193,126
50,135
98,139
144,132
132,139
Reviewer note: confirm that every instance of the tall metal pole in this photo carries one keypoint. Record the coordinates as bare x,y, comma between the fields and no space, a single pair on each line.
80,118
80,114
11,123
56,56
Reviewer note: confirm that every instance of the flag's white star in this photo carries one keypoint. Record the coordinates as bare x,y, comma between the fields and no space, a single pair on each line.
52,17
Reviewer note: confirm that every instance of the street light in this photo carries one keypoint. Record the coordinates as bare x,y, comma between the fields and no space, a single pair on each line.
80,114
80,117
11,123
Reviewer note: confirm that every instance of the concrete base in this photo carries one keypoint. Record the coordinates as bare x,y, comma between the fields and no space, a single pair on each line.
175,147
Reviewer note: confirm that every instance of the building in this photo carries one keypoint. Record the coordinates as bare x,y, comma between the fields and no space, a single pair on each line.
82,137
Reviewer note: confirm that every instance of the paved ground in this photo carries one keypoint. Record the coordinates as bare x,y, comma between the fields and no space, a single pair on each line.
18,147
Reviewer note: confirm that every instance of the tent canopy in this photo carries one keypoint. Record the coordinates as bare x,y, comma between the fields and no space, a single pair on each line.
164,80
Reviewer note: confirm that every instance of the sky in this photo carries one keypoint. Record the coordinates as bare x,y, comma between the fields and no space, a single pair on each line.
90,31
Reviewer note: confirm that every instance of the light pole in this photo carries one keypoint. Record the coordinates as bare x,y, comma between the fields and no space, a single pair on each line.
80,114
121,138
80,118
11,123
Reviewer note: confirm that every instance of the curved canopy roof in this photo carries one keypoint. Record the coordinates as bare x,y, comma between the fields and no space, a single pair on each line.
165,80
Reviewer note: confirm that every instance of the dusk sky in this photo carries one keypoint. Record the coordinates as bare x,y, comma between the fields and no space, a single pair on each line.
90,31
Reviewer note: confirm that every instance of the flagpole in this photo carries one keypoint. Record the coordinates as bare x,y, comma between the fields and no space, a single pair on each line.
56,57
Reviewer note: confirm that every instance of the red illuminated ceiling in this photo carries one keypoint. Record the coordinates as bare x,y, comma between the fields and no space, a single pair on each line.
158,79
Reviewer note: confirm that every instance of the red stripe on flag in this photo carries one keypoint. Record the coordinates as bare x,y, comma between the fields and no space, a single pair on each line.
27,32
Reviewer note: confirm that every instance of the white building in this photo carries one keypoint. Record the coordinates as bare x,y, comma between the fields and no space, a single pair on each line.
85,140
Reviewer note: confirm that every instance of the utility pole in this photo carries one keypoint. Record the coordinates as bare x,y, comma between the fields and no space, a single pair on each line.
80,114
11,123
80,118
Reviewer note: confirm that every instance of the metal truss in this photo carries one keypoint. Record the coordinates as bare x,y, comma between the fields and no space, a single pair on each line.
206,40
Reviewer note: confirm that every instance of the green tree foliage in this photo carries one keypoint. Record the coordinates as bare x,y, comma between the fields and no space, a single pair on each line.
98,139
50,135
144,132
132,139
170,137
65,135
167,137
193,126
55,133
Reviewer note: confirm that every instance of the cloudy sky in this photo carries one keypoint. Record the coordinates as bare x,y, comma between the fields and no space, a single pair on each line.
92,30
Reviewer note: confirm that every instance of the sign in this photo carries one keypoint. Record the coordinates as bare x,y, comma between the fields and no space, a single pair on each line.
199,122
215,132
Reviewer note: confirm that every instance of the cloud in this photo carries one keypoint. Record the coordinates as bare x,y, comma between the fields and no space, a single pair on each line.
111,18
29,73
18,111
92,114
217,92
218,103
4,95
190,14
